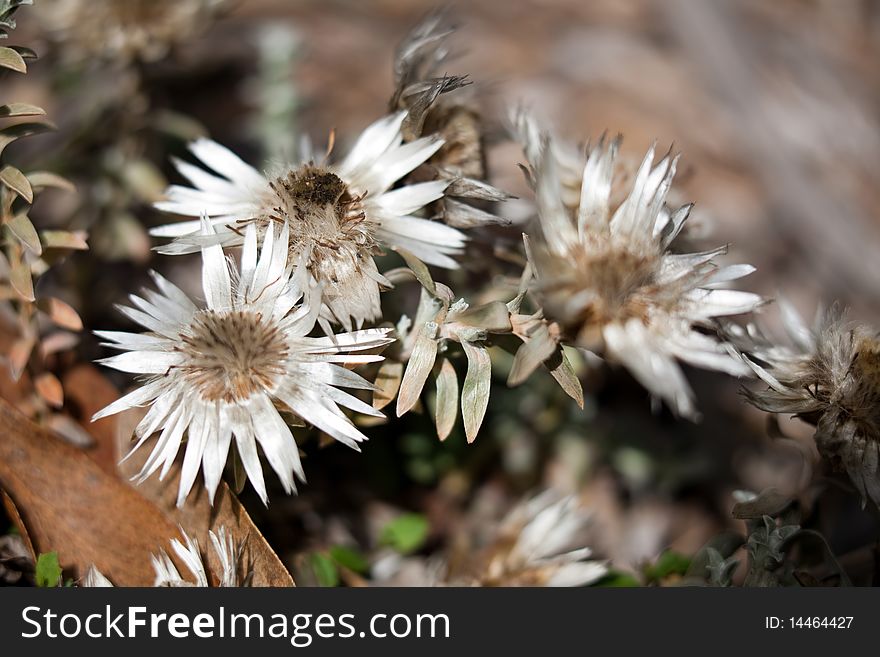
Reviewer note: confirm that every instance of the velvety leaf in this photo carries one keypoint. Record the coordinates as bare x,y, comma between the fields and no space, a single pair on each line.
20,109
17,182
61,313
43,179
493,317
19,354
62,239
475,391
24,230
58,341
538,348
387,383
421,361
10,59
562,371
20,275
419,269
49,388
447,399
13,132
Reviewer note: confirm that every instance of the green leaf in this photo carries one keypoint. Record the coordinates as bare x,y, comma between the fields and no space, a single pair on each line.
48,571
12,60
668,563
618,579
350,558
325,569
406,533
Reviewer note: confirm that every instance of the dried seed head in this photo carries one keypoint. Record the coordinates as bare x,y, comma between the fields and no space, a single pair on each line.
830,378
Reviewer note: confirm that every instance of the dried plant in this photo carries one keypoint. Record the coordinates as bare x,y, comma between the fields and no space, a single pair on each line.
829,377
167,575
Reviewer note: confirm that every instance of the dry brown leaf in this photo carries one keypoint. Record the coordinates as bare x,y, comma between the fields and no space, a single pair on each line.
68,504
91,392
49,388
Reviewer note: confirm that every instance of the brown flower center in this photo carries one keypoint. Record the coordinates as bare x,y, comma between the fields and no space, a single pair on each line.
230,355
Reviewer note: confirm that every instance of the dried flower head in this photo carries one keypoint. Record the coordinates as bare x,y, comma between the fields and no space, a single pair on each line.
167,575
143,30
540,543
233,368
606,275
339,215
830,378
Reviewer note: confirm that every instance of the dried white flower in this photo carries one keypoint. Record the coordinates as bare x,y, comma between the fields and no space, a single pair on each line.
540,543
167,574
339,215
232,368
830,378
606,275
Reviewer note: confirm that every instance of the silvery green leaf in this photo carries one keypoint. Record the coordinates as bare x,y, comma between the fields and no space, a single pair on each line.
476,189
539,347
447,399
561,369
387,383
419,269
462,215
475,392
417,369
492,317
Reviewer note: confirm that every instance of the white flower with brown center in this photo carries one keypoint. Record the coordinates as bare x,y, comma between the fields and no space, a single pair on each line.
606,275
233,369
829,376
339,215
